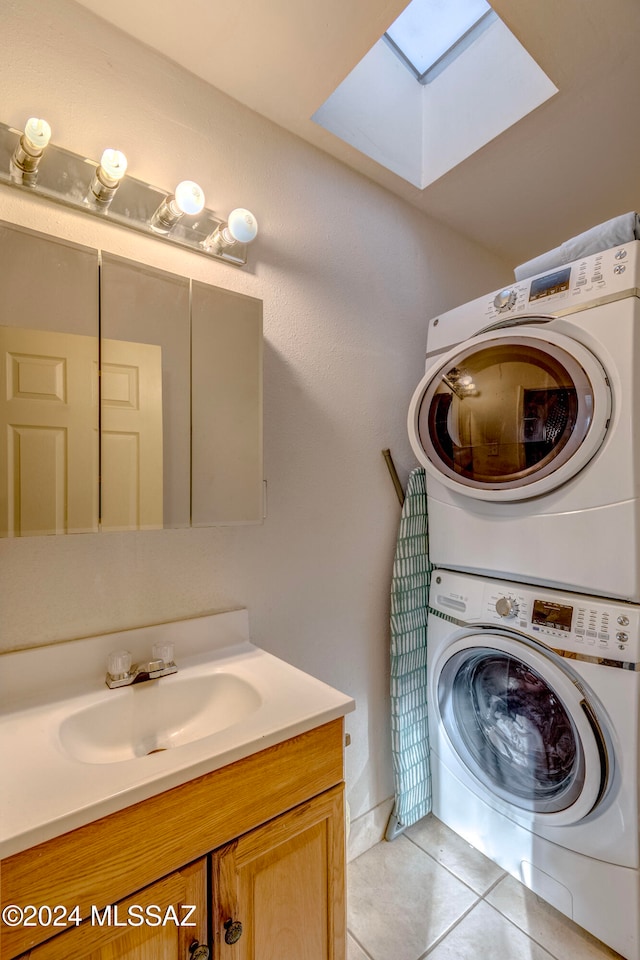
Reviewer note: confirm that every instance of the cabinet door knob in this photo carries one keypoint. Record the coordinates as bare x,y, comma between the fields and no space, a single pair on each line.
233,931
199,951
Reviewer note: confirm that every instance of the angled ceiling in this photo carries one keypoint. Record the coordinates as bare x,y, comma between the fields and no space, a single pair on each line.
569,165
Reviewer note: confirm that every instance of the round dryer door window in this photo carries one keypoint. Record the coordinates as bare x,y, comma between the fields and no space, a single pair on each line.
521,726
510,417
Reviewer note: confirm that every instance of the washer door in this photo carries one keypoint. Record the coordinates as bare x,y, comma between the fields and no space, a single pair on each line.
522,727
508,416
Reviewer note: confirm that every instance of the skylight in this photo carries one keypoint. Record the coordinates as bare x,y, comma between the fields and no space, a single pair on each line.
428,29
463,80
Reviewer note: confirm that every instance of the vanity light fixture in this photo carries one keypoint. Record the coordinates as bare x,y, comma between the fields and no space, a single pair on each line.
188,198
179,218
241,227
106,180
29,150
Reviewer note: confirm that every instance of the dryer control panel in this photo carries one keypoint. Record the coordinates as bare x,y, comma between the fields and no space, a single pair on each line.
598,278
570,623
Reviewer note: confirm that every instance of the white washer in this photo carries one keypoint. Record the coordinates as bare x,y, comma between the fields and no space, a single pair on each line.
527,422
534,708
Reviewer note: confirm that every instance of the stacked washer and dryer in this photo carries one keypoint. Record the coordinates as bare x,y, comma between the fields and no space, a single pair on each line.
527,423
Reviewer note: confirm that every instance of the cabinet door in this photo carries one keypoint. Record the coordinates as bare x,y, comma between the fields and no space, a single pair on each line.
284,882
226,407
144,403
121,935
48,385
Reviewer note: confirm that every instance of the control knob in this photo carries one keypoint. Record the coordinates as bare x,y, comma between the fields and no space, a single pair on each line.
504,300
506,607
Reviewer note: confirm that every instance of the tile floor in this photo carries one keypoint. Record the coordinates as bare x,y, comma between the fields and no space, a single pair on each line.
429,894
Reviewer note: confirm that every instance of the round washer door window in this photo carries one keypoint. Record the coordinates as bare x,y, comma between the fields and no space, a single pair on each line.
509,417
520,725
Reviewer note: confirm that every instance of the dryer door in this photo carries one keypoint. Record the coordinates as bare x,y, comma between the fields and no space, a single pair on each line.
508,416
522,727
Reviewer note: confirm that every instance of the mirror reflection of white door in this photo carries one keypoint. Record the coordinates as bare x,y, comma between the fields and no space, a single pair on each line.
131,430
49,423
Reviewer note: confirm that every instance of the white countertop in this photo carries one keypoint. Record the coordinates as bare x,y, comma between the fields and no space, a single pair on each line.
45,791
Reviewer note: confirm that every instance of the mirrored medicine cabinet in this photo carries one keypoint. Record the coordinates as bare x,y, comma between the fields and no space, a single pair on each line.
130,398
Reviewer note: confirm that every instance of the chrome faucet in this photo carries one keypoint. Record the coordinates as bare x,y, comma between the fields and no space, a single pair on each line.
122,673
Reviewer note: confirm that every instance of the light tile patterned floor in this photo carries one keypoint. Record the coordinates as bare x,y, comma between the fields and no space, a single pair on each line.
429,894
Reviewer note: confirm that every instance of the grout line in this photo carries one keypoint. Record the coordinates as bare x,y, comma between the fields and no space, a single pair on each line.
357,942
455,875
524,932
451,928
495,883
598,943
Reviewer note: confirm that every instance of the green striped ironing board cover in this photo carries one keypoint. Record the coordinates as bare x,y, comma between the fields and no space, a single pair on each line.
409,608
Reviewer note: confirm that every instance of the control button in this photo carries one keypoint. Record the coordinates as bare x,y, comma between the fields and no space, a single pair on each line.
504,300
592,633
597,276
506,607
619,268
603,636
620,254
579,633
623,621
622,636
580,283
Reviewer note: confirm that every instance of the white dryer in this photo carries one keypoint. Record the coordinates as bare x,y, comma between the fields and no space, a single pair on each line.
527,422
534,708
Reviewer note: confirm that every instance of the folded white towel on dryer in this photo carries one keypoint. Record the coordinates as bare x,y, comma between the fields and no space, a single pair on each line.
612,233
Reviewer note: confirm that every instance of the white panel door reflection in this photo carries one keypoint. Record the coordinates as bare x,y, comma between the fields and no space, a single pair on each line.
131,430
49,423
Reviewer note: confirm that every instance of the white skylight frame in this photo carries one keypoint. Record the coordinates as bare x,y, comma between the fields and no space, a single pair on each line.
421,131
429,34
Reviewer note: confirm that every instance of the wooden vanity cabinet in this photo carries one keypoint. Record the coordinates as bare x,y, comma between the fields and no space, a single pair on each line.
115,939
284,882
263,844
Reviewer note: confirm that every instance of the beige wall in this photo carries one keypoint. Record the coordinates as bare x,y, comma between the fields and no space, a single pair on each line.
349,275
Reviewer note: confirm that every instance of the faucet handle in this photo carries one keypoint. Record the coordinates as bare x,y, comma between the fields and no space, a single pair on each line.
162,650
119,664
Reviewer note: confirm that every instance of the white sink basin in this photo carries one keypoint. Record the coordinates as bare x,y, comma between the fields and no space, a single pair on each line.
75,750
156,715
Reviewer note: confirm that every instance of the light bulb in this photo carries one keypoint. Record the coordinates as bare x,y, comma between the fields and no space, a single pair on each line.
113,164
242,225
106,179
189,197
37,133
28,152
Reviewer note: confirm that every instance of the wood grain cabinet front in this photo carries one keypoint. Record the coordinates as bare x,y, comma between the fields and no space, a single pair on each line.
278,892
263,864
153,924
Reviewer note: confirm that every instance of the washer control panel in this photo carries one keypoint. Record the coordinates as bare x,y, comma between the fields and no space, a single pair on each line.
572,623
